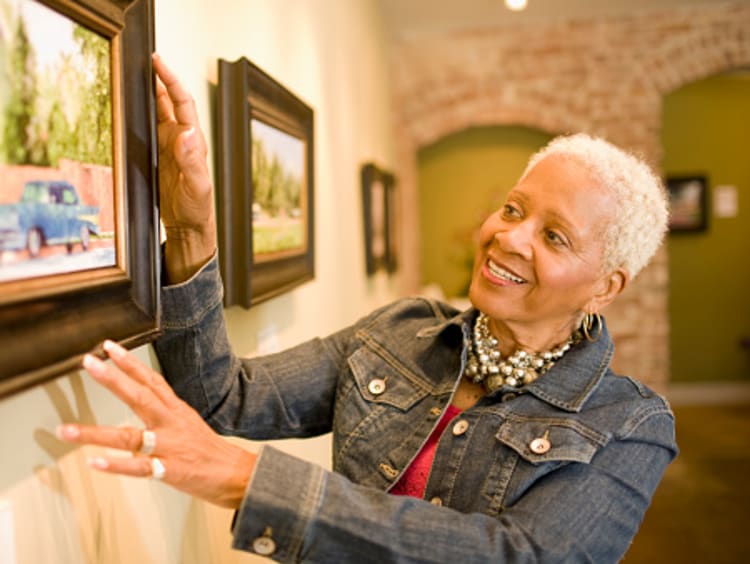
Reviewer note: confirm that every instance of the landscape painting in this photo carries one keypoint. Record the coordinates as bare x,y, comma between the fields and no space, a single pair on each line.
279,207
57,188
266,185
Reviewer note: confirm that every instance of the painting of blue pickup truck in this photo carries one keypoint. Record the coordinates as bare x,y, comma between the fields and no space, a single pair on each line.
49,213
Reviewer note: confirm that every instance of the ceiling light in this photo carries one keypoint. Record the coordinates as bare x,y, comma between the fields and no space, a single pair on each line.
516,5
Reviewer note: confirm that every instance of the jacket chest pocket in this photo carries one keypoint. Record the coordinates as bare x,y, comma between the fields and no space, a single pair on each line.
539,446
373,407
379,382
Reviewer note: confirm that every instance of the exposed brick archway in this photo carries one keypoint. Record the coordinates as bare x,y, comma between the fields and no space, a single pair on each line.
607,77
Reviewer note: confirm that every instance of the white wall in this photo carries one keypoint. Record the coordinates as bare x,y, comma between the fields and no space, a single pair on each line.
332,54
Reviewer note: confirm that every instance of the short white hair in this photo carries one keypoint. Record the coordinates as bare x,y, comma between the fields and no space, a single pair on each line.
639,221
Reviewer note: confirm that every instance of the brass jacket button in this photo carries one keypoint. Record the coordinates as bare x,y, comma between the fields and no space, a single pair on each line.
460,427
376,386
541,445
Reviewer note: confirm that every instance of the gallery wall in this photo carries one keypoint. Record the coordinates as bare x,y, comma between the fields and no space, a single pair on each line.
332,54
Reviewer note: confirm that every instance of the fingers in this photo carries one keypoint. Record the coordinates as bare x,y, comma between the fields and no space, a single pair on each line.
139,372
164,110
120,438
123,438
181,101
138,466
139,397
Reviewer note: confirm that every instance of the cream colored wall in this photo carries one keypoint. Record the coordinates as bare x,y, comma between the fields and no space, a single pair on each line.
331,53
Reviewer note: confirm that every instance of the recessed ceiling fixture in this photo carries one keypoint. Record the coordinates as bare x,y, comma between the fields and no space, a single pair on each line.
516,5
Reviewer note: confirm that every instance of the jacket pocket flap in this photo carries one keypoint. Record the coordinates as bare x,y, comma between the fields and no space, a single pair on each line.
540,440
380,382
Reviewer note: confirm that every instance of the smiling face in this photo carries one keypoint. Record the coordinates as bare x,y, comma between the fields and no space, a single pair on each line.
539,265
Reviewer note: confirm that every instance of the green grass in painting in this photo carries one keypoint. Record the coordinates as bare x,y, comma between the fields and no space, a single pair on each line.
274,238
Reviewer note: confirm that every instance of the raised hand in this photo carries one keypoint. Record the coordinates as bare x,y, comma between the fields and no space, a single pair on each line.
185,186
178,447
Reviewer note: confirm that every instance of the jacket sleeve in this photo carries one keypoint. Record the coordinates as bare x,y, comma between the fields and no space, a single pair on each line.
289,394
295,511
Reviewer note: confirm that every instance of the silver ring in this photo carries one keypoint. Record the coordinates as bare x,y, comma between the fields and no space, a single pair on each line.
148,442
157,469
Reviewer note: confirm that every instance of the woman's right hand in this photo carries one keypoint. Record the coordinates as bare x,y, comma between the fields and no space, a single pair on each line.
185,187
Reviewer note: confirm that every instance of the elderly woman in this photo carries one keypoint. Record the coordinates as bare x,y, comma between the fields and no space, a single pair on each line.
501,429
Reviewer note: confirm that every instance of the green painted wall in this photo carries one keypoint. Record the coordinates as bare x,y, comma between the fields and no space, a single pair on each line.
462,179
707,130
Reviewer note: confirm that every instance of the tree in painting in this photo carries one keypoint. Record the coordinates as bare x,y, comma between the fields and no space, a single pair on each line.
61,110
19,110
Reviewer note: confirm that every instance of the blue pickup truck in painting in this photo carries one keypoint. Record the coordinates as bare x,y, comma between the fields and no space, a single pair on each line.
49,213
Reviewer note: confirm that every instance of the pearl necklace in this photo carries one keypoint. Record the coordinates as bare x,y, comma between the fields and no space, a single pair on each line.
486,365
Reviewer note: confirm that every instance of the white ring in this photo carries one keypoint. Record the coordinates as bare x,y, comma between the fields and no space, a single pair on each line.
148,442
157,469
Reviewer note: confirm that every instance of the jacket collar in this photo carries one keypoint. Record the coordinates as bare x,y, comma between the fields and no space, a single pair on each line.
573,378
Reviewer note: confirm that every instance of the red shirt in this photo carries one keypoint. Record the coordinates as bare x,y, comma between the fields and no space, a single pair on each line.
414,480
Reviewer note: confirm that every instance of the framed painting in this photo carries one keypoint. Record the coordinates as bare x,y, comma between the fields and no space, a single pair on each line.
78,205
688,202
378,206
266,185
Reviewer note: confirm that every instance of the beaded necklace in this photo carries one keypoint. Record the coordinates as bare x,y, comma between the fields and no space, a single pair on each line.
485,363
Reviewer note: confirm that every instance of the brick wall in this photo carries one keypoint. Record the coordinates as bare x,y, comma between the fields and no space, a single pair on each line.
604,76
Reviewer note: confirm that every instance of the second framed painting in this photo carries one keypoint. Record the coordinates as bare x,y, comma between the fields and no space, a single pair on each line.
266,185
378,206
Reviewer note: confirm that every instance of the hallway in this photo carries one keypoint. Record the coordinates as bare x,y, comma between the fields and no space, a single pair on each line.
701,511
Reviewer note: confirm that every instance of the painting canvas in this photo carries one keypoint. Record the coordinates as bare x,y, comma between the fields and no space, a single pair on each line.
279,195
57,194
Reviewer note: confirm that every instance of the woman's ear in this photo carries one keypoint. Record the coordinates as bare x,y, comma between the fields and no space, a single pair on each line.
611,286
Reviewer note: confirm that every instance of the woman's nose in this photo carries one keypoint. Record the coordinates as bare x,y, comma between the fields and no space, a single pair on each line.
516,238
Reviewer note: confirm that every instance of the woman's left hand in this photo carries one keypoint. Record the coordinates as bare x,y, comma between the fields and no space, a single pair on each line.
189,454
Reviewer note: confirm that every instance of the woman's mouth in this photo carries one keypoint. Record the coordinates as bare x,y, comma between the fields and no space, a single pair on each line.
499,275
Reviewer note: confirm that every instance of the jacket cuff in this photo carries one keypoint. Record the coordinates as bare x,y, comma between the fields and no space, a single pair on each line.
282,498
185,304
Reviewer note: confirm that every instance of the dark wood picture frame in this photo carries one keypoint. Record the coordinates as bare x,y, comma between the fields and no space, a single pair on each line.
378,207
688,203
45,331
247,94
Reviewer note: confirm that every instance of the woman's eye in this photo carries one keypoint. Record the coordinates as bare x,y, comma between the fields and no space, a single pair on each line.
555,238
510,211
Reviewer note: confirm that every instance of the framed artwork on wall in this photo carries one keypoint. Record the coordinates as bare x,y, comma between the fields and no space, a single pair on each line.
78,206
688,202
266,185
378,206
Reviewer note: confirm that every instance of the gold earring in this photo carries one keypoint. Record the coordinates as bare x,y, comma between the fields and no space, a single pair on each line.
590,320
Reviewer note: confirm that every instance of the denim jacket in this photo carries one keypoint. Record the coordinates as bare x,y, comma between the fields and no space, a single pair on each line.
380,386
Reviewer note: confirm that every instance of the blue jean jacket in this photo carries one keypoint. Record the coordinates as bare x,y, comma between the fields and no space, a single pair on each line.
380,386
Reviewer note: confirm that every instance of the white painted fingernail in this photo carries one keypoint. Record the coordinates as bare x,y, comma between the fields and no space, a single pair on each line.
98,462
95,366
67,432
113,349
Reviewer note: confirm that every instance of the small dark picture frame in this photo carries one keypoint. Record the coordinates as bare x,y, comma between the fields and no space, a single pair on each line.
85,268
266,185
378,206
688,203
